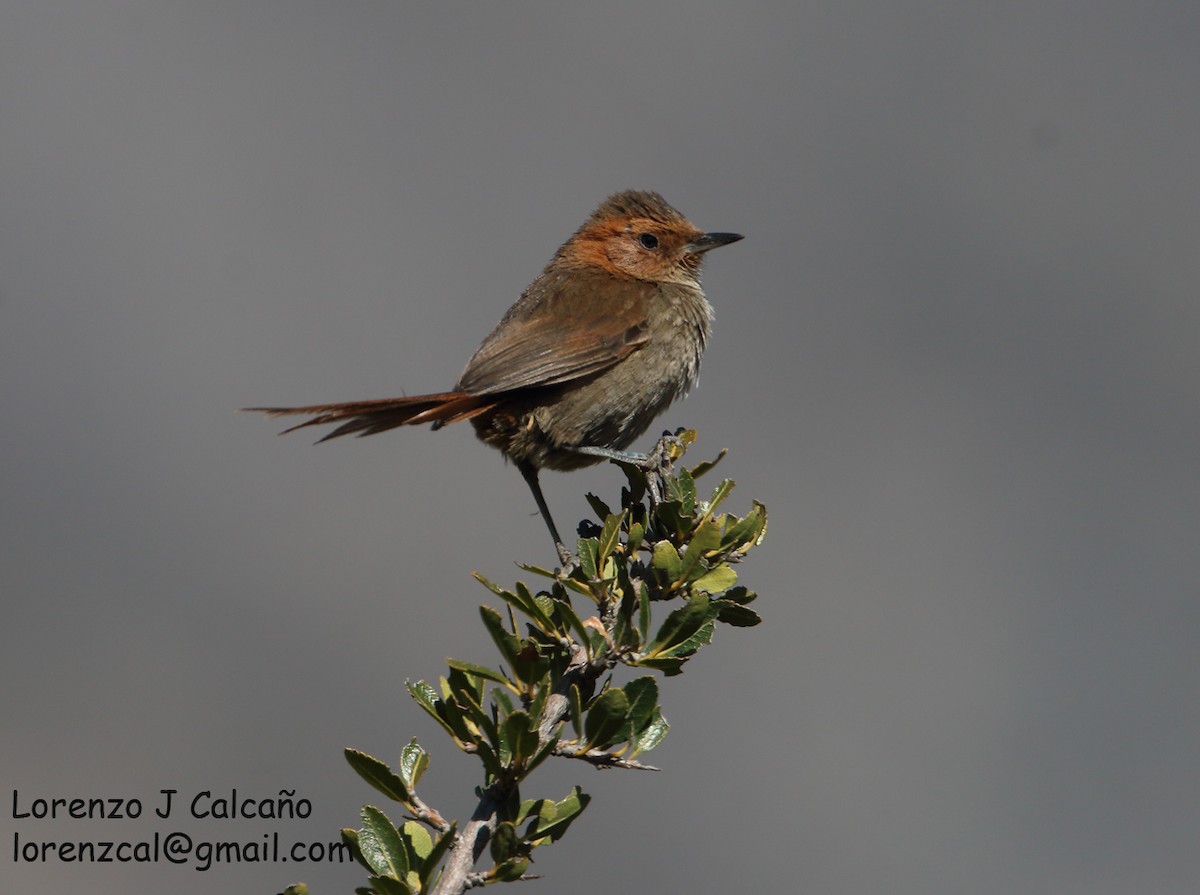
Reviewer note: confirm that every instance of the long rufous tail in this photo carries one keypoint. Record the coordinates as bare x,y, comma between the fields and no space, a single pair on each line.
370,417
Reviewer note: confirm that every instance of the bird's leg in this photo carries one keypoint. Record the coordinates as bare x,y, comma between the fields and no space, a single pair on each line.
634,458
531,478
656,464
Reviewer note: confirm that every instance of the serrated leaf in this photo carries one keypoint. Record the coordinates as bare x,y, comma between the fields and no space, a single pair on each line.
687,491
427,698
653,733
378,774
381,845
350,838
586,551
447,714
716,580
607,720
413,762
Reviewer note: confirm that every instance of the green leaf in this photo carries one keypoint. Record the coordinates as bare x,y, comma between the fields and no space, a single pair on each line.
666,560
385,885
564,813
738,616
544,751
571,621
504,841
637,532
687,491
381,845
505,641
669,516
350,838
717,580
718,496
610,536
413,762
477,670
535,608
521,740
652,734
688,647
586,551
739,595
748,531
576,711
701,468
466,695
419,842
607,719
644,612
445,713
378,774
669,665
682,625
509,871
642,694
491,764
599,507
707,537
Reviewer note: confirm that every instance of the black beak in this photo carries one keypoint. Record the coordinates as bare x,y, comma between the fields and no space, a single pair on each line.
706,241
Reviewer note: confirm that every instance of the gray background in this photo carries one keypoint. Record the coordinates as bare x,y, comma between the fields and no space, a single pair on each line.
956,355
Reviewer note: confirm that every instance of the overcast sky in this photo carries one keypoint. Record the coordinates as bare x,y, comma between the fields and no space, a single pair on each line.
956,355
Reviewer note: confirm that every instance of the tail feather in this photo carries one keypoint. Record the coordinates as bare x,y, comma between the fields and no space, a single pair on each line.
371,417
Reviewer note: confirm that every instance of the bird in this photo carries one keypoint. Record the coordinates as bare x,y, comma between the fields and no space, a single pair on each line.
605,338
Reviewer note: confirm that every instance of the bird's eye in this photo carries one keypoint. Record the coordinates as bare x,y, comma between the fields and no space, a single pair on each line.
648,241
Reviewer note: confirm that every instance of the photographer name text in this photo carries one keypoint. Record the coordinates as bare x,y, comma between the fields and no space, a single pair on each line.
203,806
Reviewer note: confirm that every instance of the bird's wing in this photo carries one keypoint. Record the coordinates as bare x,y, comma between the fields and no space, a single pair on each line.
566,326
